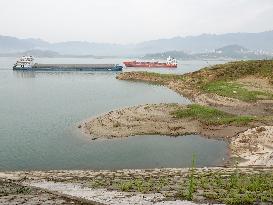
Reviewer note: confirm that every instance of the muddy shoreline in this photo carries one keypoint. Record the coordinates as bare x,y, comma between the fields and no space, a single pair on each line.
156,119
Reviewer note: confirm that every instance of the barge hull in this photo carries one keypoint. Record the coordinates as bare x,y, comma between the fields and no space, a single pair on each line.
71,67
148,65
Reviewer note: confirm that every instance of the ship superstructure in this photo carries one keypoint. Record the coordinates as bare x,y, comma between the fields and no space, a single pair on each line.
25,62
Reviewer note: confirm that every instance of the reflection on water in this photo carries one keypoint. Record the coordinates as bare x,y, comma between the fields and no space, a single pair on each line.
24,74
33,74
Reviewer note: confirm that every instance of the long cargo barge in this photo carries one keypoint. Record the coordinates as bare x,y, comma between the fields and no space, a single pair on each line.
26,63
76,67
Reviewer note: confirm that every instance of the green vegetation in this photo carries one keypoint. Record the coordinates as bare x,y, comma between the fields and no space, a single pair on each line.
23,190
9,188
239,69
235,90
192,183
211,116
163,77
139,185
218,79
238,188
234,189
229,187
125,186
223,72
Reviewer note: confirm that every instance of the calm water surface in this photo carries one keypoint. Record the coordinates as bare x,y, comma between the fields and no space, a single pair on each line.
39,112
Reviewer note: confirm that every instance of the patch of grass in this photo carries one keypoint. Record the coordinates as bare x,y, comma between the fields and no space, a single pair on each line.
157,78
238,69
235,90
227,71
163,76
192,183
9,187
141,185
240,188
229,187
126,186
211,116
234,188
23,190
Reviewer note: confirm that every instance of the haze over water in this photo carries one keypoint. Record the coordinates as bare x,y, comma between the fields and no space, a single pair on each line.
39,113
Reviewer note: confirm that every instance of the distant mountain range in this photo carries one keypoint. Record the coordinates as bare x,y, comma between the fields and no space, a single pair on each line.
47,54
226,52
192,44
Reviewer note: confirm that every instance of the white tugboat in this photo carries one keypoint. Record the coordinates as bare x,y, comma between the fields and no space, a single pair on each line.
24,63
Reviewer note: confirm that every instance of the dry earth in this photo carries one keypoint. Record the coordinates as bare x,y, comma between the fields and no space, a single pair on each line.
139,120
152,119
15,193
255,146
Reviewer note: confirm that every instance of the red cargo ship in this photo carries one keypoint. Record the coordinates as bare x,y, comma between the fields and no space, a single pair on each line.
170,63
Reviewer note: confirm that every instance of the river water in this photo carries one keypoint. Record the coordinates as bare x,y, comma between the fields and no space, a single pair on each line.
39,113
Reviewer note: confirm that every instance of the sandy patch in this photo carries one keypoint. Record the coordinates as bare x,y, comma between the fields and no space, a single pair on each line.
139,120
255,146
152,119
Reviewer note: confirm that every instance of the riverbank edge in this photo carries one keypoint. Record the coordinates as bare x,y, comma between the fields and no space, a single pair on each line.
76,182
157,119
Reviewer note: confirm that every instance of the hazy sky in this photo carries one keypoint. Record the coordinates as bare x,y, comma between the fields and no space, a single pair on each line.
130,21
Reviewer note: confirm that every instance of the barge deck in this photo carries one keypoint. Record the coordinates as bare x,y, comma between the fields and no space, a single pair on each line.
71,67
